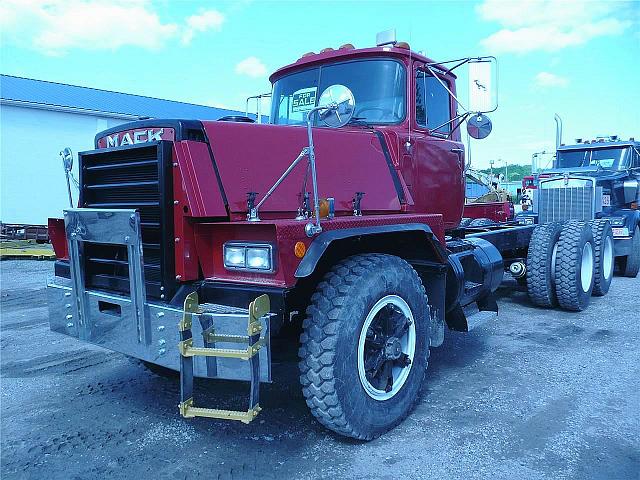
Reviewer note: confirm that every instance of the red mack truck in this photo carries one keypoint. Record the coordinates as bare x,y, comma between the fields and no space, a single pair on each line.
209,247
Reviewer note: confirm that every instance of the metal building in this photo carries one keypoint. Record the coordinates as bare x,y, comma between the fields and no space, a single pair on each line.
39,118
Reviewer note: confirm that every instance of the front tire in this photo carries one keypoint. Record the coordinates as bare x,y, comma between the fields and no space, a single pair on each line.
365,345
575,266
541,257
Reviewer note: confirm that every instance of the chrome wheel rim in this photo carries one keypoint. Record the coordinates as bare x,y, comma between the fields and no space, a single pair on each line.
386,347
607,258
586,269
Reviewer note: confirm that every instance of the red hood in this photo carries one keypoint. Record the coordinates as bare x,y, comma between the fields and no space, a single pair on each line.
251,157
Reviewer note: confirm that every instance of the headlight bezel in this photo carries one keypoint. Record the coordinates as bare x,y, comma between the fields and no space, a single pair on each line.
246,247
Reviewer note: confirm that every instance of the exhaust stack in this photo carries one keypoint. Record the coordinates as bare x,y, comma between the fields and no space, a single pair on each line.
558,130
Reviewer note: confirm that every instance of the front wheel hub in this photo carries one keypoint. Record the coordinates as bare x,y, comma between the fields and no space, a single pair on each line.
386,347
393,349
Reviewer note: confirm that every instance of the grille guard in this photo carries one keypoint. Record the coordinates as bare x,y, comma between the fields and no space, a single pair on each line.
132,325
113,227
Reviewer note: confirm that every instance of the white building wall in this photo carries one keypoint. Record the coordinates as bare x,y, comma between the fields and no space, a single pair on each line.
32,180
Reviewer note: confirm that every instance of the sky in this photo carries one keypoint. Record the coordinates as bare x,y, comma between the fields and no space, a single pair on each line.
575,58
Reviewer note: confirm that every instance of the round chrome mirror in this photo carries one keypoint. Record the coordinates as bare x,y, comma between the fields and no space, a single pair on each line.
339,106
479,126
67,158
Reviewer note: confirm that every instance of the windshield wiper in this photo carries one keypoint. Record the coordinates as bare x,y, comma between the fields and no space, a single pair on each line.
359,121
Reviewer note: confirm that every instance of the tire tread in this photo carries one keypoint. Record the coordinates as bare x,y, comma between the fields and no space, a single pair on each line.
319,339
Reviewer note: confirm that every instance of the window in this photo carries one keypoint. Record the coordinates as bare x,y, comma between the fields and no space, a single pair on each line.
433,106
378,87
608,158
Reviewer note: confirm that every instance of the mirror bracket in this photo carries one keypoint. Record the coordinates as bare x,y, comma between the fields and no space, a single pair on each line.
67,162
345,99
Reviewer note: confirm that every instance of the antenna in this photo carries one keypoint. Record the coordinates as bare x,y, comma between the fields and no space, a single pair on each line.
409,107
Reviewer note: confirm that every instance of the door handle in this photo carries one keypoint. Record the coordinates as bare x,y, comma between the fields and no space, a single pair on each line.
456,150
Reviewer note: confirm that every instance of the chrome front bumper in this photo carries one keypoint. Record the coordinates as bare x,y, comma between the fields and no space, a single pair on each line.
132,325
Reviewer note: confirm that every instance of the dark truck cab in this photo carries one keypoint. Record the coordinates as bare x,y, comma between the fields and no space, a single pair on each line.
597,179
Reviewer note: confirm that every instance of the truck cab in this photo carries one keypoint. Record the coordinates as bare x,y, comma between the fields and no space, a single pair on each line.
207,247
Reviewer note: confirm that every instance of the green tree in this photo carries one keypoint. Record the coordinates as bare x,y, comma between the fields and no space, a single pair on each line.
515,171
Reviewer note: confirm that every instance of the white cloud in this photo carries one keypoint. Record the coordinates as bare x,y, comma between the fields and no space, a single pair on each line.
548,25
252,67
54,27
209,19
546,79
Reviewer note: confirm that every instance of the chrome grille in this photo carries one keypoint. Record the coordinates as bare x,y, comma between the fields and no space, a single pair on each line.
565,203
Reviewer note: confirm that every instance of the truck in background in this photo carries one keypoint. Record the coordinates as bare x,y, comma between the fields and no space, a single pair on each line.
596,179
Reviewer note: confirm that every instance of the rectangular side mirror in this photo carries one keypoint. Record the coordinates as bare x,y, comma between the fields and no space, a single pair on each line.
483,84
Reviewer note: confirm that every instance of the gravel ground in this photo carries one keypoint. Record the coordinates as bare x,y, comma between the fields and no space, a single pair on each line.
536,394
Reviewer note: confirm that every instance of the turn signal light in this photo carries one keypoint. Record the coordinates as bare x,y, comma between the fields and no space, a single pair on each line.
634,205
300,249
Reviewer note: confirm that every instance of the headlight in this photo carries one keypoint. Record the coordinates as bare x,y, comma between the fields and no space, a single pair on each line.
616,221
234,257
248,256
259,258
526,220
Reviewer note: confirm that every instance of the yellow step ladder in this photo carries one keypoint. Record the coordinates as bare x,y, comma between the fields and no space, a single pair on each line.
257,309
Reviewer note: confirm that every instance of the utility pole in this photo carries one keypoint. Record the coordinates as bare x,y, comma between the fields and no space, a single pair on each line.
491,165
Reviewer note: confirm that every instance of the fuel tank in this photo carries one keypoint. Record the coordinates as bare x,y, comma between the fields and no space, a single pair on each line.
475,271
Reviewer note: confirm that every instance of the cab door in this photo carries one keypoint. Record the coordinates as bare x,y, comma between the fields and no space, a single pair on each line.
438,154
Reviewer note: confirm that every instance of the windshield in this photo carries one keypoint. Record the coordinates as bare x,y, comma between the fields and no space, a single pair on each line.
378,87
609,158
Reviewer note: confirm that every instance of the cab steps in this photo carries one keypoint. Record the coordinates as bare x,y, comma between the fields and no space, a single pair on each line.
257,309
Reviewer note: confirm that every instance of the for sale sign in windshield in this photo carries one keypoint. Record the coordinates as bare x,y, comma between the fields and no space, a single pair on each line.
304,99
